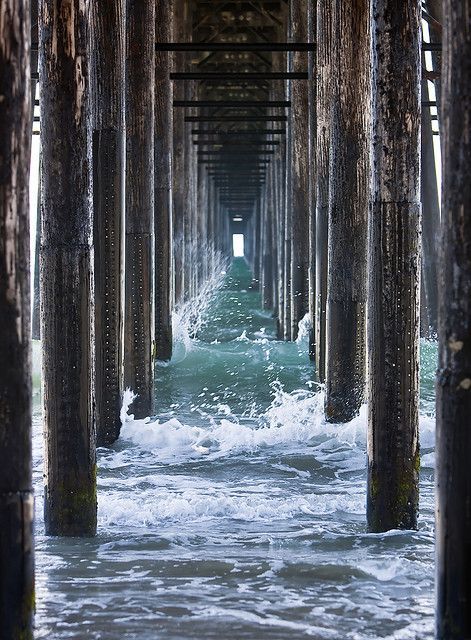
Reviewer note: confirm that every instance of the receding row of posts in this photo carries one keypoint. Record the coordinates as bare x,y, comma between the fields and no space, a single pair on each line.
348,227
319,165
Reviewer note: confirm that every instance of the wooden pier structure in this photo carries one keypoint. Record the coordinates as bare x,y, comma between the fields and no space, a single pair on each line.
168,126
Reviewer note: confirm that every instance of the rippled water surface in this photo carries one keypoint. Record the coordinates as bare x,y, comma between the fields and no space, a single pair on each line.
237,512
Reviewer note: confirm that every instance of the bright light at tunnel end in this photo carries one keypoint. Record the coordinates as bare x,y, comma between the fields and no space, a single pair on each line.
238,245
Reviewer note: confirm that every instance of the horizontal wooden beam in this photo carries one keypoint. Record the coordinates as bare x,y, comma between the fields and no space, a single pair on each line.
232,104
237,132
230,144
235,46
223,75
232,118
230,154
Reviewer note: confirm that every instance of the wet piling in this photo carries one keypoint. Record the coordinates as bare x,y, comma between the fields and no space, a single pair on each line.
394,269
16,495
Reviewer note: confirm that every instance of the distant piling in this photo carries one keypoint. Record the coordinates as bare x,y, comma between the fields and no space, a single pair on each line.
430,217
394,269
323,104
163,185
16,494
349,200
108,149
299,176
139,348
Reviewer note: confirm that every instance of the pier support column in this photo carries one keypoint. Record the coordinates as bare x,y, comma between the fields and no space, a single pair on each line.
394,269
430,217
163,185
312,175
36,311
299,182
323,101
139,299
349,187
179,193
107,76
67,313
453,450
16,495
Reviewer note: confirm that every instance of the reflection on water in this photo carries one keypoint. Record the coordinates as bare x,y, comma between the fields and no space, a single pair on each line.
237,512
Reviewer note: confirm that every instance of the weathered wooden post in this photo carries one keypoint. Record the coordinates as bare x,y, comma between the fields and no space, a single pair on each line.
16,495
323,102
36,306
163,185
394,269
36,311
430,216
288,216
349,188
66,271
453,531
179,193
107,78
299,182
139,276
268,247
280,206
312,174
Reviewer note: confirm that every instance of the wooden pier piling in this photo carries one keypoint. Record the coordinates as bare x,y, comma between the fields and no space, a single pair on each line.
163,185
349,200
299,175
323,107
139,347
394,269
67,272
108,158
453,447
16,494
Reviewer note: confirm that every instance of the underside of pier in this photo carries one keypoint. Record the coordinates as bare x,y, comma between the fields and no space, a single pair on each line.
312,128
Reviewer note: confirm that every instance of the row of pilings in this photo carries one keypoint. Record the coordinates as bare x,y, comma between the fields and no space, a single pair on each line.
134,218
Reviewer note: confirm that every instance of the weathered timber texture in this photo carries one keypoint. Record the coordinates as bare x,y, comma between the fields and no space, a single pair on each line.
16,495
36,306
179,193
323,88
453,449
107,85
139,259
36,311
268,247
288,222
430,217
280,208
163,185
66,272
394,269
299,183
312,175
349,199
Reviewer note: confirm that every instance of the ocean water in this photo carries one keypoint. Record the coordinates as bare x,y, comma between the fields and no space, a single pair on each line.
236,511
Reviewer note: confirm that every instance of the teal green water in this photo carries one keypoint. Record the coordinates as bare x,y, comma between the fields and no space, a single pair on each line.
237,512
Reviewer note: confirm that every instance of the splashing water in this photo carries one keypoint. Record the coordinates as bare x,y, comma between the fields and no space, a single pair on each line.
237,511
